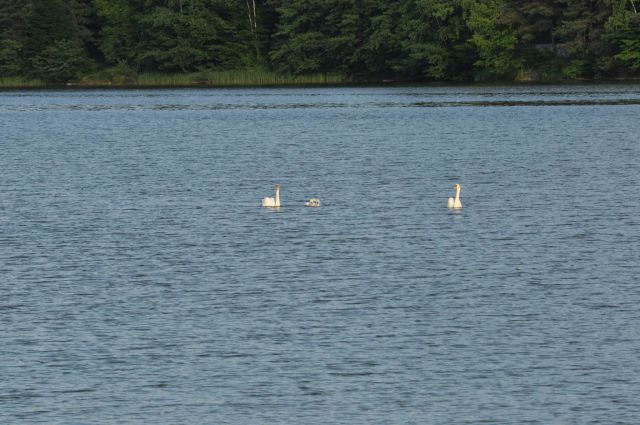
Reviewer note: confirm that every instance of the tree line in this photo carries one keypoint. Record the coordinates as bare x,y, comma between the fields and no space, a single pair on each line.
364,40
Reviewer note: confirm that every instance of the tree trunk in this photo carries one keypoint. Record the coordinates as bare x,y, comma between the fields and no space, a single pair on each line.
253,24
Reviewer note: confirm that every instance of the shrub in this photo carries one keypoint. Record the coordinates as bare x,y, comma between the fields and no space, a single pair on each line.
60,62
10,60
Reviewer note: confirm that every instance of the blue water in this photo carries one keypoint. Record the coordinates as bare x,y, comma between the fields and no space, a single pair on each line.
141,282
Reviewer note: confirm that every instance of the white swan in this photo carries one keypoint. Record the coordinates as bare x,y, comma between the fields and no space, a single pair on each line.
455,203
313,202
272,202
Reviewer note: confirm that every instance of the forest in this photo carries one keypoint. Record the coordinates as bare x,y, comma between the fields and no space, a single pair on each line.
118,41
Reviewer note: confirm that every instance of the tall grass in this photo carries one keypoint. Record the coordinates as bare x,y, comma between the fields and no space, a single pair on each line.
19,82
164,80
236,78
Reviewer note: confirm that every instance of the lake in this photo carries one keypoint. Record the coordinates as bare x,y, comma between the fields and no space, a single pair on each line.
142,282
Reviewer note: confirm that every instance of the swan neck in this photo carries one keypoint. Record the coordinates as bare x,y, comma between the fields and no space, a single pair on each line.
458,193
277,197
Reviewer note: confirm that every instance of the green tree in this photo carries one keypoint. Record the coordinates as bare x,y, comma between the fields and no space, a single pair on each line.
52,27
180,35
13,19
59,62
358,38
10,58
495,44
363,39
623,29
13,35
382,44
49,21
120,36
302,43
191,33
581,29
83,20
533,21
435,40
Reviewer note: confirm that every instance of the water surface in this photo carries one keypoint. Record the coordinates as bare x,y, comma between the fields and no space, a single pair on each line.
141,281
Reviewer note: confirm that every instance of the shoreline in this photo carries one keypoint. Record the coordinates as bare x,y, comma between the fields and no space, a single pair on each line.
7,84
72,87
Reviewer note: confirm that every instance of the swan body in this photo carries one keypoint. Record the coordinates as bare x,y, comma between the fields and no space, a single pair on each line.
270,202
313,202
450,203
455,203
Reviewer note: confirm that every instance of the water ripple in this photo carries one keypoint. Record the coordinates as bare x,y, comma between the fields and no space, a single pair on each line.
141,281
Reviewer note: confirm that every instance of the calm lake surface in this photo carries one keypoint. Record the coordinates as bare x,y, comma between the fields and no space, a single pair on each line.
141,282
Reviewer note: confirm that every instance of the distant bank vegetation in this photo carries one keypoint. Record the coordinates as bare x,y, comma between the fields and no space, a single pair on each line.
113,77
276,42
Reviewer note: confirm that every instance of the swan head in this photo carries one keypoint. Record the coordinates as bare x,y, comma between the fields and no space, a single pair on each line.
277,186
456,186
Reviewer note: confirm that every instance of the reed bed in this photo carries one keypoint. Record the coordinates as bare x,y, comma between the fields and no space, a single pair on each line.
236,78
19,82
163,80
233,78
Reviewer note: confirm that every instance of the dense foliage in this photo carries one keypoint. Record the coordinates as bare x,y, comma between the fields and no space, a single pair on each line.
365,40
